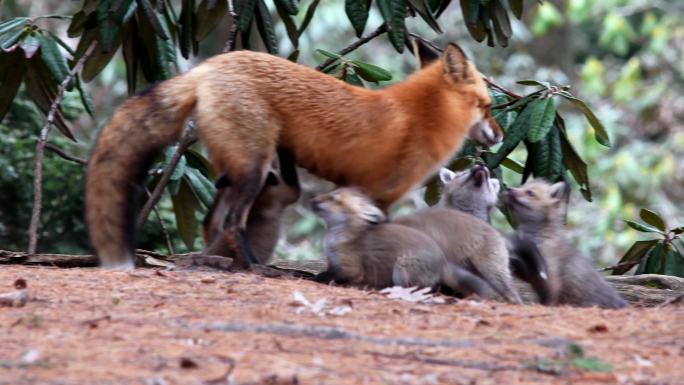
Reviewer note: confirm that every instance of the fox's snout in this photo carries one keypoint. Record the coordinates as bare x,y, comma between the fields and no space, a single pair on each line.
486,132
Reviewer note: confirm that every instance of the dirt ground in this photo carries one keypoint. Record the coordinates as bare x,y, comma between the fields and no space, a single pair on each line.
87,326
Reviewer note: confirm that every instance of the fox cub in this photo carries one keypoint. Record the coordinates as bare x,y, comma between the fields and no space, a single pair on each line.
364,249
469,242
537,208
474,192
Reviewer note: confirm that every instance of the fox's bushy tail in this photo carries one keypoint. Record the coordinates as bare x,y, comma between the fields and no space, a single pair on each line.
140,128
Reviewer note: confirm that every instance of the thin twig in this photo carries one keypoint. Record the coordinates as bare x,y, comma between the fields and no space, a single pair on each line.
64,155
381,29
232,35
40,150
169,245
187,139
623,264
497,87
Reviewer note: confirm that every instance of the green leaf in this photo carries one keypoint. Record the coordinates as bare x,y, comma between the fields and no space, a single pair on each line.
635,253
209,17
652,219
371,72
513,136
293,56
86,100
471,11
501,22
184,206
674,263
290,6
152,18
547,157
12,69
8,25
30,45
352,78
573,162
512,165
98,60
187,27
307,17
77,24
246,14
641,227
677,230
599,131
180,167
290,26
42,90
200,162
265,26
591,364
654,264
423,9
357,12
541,119
329,54
516,8
9,39
534,83
202,187
53,59
394,13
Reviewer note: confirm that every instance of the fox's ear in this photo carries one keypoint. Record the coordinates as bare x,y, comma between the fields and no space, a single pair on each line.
445,176
222,182
455,62
423,52
272,179
558,190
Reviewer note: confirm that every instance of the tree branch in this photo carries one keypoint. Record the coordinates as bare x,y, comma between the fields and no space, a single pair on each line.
379,31
40,150
232,35
187,139
64,155
169,245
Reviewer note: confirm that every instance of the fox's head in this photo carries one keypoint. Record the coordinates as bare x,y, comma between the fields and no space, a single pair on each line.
537,202
469,191
347,206
468,91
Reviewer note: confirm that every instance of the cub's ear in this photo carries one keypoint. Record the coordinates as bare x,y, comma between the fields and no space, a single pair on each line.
496,185
445,176
424,53
455,63
373,215
559,190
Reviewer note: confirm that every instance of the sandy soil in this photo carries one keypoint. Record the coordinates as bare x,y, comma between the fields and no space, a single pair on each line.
86,326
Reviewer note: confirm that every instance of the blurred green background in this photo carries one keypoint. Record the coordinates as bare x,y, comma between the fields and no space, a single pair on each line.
624,58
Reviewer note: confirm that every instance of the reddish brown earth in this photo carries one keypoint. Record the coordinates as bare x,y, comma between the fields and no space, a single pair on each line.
86,326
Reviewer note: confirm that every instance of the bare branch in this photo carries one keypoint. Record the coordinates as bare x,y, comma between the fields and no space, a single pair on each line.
169,245
40,150
232,35
64,155
381,29
189,137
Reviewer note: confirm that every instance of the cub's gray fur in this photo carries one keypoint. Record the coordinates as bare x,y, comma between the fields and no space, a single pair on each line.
474,192
537,209
363,249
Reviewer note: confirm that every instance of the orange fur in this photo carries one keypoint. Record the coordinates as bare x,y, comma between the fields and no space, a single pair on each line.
247,104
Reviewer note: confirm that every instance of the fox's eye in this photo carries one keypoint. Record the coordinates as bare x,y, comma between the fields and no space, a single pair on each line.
530,193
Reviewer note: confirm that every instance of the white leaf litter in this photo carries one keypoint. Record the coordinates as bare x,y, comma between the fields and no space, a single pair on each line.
411,294
319,307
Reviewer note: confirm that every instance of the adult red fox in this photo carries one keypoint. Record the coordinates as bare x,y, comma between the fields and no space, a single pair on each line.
248,104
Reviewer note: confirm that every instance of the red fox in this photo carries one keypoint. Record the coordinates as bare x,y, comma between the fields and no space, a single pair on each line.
247,104
364,249
537,208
